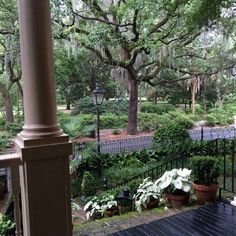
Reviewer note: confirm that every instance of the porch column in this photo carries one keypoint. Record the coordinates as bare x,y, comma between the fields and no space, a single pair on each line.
44,149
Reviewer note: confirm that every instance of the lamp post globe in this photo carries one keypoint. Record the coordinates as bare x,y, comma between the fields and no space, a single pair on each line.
98,95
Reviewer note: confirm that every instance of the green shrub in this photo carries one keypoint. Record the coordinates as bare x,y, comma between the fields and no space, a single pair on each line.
211,119
184,121
6,225
5,140
158,109
152,121
102,164
111,121
171,140
75,188
13,128
77,127
179,117
115,106
86,106
206,169
132,162
118,174
133,185
2,122
199,109
116,131
148,121
230,108
88,186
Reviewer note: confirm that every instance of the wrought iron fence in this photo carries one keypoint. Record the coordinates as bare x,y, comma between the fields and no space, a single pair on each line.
218,142
159,170
228,178
126,145
145,142
223,148
207,133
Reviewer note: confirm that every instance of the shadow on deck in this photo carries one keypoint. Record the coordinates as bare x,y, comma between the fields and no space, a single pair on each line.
215,219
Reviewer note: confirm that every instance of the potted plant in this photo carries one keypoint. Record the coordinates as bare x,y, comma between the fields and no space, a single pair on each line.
110,208
175,184
147,196
104,205
206,170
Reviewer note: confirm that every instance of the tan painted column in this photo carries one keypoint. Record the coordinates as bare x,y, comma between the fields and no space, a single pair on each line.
44,149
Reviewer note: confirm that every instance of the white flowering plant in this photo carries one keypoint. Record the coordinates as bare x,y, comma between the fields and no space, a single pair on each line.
175,181
145,193
98,205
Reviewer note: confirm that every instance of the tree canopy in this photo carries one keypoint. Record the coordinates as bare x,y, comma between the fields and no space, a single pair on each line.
140,38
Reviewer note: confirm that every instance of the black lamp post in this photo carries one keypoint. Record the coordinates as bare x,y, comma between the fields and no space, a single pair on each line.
98,95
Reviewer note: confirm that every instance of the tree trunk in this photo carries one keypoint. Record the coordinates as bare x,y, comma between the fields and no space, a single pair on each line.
133,106
68,107
220,100
7,104
193,96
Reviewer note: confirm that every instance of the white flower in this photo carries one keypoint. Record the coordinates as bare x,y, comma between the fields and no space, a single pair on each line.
184,172
162,200
166,208
177,183
186,187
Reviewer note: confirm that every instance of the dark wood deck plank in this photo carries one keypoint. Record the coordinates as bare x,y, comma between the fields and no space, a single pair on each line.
169,230
213,220
216,225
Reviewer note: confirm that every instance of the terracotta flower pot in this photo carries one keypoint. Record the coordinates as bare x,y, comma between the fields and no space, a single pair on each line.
114,211
178,200
152,204
205,193
96,216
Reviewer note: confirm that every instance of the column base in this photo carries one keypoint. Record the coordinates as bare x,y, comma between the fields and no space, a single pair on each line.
45,185
40,131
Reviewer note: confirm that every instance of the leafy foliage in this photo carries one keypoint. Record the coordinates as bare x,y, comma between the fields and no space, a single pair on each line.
142,39
171,140
159,109
175,181
146,191
13,128
206,169
88,185
4,140
5,225
76,127
99,204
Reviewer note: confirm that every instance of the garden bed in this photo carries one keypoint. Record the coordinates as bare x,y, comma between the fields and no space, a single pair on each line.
108,134
118,223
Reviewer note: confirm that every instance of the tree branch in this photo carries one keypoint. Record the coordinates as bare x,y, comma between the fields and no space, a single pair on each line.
135,31
103,21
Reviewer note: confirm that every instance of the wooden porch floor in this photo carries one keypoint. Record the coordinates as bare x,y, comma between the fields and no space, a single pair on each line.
218,219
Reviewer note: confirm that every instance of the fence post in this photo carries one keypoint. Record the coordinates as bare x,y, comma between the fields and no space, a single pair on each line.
224,163
232,156
201,133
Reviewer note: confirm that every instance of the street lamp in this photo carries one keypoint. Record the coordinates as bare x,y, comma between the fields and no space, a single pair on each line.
98,95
